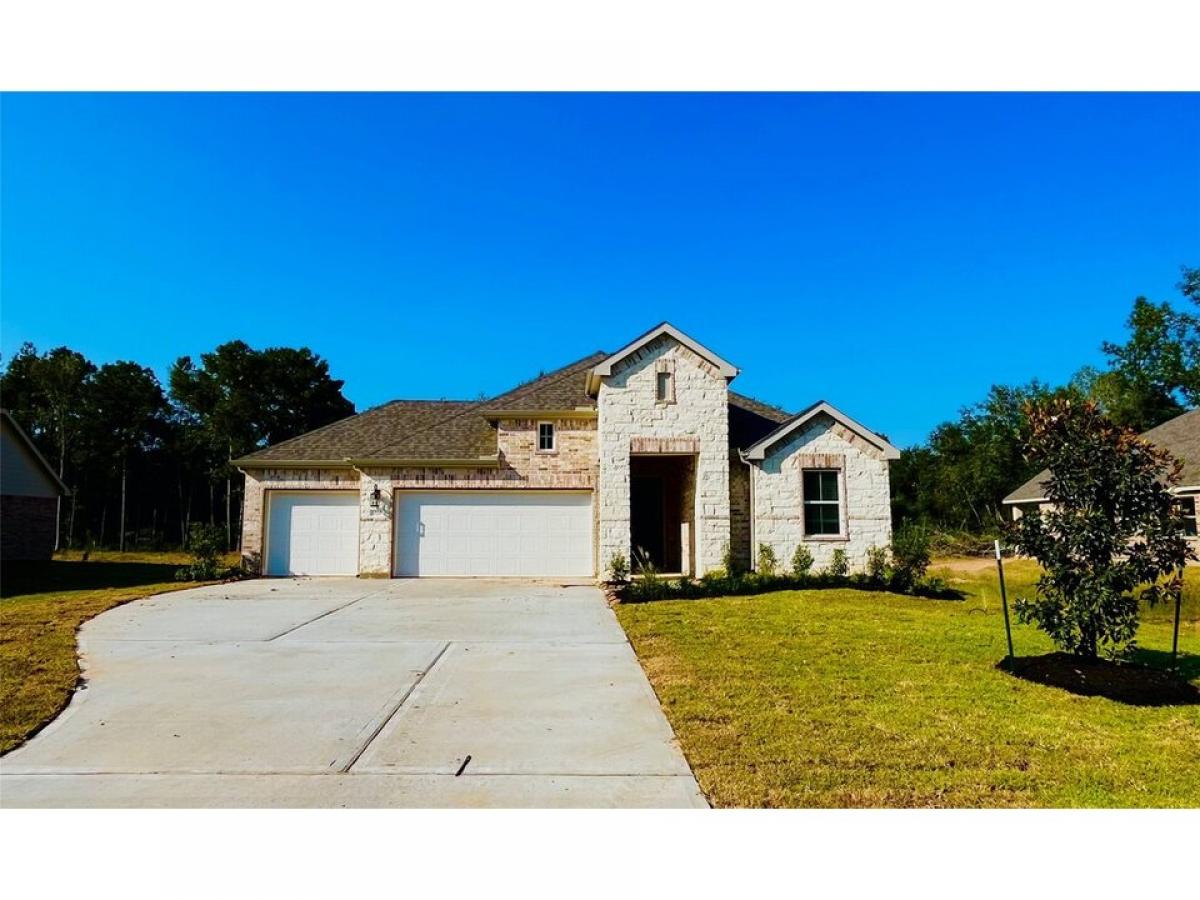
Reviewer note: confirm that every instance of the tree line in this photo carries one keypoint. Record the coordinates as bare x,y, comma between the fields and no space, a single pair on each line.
958,478
144,461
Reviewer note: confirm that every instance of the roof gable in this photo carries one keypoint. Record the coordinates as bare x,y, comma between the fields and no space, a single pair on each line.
604,368
19,436
758,450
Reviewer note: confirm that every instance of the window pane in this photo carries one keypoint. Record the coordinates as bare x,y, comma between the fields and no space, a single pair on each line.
1187,511
812,486
545,436
664,385
829,486
821,518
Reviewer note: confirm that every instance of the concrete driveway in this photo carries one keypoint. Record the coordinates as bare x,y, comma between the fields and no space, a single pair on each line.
348,692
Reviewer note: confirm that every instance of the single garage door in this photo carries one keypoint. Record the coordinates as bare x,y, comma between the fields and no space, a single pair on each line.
311,533
524,533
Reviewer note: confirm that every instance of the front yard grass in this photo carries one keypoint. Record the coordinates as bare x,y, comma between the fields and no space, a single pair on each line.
42,606
847,698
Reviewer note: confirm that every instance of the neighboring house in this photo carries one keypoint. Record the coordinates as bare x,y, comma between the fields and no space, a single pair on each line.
645,451
29,492
1179,436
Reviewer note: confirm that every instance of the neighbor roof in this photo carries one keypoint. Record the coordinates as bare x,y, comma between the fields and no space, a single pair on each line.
24,439
758,449
1179,436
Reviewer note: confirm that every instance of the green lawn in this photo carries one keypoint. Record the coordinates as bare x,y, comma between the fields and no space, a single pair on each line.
853,698
42,607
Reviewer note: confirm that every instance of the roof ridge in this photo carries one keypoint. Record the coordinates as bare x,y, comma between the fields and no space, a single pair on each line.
778,409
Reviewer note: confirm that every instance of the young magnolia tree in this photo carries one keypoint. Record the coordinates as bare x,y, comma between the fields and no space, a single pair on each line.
1111,528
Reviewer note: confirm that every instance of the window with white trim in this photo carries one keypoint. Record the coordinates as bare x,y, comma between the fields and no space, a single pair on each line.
1185,508
822,502
545,437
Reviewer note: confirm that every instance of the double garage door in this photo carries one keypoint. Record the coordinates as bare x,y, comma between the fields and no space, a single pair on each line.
514,533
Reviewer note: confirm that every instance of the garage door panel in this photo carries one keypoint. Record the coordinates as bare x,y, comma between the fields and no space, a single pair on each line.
494,533
310,533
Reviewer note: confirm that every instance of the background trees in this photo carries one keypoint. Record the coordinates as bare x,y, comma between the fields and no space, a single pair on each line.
958,478
143,464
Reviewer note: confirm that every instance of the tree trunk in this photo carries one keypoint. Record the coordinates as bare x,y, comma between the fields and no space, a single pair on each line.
71,520
103,516
121,542
62,463
212,506
228,519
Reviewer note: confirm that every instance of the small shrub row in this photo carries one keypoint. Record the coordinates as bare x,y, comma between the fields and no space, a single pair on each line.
902,570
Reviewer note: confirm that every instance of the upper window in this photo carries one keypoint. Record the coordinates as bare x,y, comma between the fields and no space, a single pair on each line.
1186,510
822,502
545,436
663,388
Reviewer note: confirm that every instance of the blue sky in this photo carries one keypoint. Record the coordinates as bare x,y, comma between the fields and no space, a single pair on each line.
893,254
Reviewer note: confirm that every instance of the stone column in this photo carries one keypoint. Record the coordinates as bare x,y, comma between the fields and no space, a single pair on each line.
375,524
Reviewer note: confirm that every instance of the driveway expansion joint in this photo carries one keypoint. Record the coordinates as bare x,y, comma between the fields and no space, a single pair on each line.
391,713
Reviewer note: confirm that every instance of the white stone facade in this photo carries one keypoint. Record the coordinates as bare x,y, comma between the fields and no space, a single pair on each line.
724,502
777,494
699,409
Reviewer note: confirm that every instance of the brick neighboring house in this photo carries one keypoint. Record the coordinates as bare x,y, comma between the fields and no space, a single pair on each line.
1179,436
29,493
642,452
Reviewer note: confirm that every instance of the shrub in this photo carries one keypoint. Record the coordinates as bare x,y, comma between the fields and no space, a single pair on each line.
767,560
728,562
910,556
839,565
618,569
206,544
877,561
802,562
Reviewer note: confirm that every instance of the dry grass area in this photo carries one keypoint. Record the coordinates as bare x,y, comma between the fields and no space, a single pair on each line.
42,606
846,698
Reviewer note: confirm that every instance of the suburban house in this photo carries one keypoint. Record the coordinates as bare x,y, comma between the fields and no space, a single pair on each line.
29,494
1179,436
644,453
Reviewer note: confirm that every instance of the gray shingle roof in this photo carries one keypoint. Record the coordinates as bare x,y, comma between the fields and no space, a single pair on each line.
465,429
1179,436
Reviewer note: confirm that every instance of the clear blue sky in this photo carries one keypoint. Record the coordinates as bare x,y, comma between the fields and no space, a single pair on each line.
893,254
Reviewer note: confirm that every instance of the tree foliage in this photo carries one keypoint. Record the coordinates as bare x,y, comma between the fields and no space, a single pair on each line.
120,441
960,476
1109,530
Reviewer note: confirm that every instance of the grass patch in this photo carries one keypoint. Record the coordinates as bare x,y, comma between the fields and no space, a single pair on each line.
42,606
844,698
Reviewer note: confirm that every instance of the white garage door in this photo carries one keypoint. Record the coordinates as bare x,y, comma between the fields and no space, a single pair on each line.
494,533
310,533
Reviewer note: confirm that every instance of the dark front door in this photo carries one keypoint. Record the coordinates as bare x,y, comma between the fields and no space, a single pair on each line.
646,520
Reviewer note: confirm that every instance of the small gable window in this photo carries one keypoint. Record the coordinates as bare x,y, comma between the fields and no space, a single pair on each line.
545,437
822,502
664,387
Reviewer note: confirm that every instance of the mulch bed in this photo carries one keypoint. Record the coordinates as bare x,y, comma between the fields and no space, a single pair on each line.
1124,682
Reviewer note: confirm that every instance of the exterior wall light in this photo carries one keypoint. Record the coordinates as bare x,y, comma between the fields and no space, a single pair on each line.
376,497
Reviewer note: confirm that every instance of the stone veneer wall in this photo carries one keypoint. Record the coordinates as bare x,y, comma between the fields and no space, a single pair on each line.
740,534
571,466
700,410
778,509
